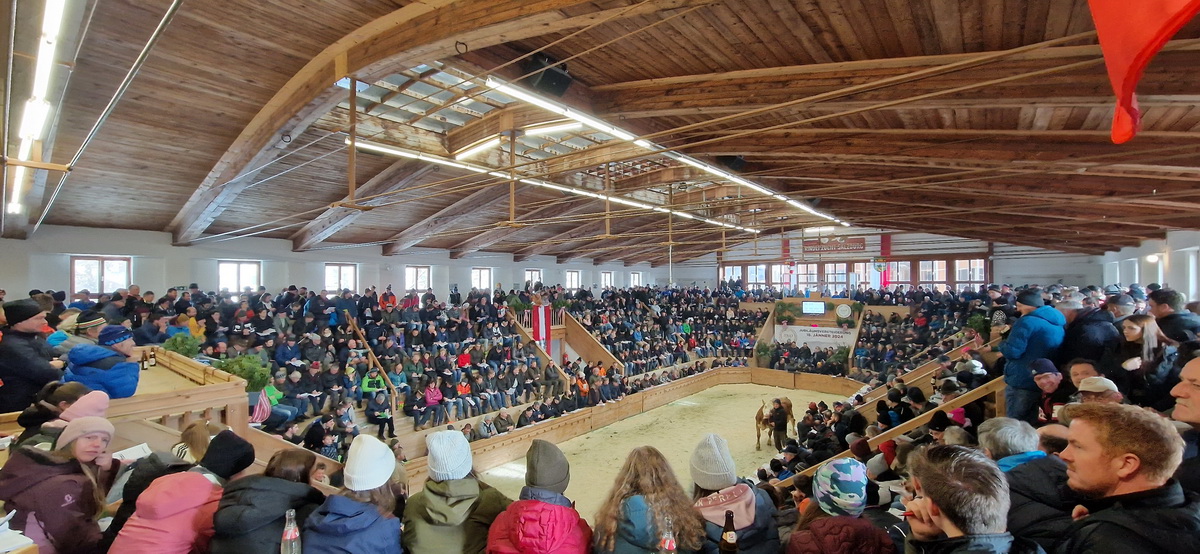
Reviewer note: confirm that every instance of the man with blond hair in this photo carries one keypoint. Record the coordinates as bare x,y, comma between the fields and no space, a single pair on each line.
1121,458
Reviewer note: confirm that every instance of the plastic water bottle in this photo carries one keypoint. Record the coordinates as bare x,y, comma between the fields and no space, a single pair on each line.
290,544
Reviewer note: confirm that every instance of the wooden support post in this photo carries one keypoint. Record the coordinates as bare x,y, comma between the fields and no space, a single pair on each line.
607,202
512,177
350,169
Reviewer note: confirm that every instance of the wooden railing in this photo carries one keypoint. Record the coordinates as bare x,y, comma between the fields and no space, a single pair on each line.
542,356
556,317
584,343
993,390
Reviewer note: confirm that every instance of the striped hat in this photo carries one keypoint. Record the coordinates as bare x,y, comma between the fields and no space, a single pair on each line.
840,487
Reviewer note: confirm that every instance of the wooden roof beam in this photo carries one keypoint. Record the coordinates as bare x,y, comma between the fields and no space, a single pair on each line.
566,206
412,34
335,218
580,233
445,218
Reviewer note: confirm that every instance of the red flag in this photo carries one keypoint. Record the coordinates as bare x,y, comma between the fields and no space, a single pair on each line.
541,326
1131,33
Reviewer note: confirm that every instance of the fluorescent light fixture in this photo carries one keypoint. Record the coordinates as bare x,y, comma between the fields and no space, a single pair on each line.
384,149
551,129
522,95
33,120
844,224
485,145
819,229
15,208
52,18
684,215
646,144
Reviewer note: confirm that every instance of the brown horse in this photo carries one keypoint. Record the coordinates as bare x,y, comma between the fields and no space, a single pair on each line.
762,420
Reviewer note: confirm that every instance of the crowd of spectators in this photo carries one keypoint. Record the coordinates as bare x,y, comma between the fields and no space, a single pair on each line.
1097,455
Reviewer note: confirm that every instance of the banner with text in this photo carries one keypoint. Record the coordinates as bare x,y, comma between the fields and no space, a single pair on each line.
816,337
835,244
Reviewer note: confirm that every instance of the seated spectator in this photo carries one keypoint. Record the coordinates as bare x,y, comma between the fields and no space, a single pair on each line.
1039,501
542,519
359,518
250,516
379,412
82,328
645,497
152,331
26,361
454,510
1122,458
716,489
105,366
49,404
1099,390
834,522
175,513
960,504
57,496
194,440
92,404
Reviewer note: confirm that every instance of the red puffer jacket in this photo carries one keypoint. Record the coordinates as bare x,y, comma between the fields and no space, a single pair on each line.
840,535
535,527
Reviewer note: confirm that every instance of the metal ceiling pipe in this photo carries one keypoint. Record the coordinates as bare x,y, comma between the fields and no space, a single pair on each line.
112,104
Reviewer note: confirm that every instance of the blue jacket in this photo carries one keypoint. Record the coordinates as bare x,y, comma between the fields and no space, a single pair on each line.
102,369
1035,335
283,353
636,532
148,334
345,526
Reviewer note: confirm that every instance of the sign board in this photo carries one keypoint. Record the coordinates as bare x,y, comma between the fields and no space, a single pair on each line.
816,337
835,244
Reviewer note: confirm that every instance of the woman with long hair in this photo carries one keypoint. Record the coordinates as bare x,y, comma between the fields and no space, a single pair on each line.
645,505
359,518
59,495
193,441
1142,365
250,517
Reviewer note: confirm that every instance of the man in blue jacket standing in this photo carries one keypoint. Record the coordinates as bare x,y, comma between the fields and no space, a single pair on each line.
1038,333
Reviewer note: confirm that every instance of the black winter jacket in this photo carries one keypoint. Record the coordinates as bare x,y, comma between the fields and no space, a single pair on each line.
1178,325
24,369
250,517
1041,502
1158,520
1089,336
1000,543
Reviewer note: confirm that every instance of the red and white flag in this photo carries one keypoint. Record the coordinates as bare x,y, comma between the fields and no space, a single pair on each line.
541,326
1131,33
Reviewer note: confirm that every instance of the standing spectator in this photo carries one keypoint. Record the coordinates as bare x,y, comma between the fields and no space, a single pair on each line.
359,518
250,516
542,519
718,489
1038,333
1089,333
26,361
1187,410
1177,323
960,505
1143,365
779,424
834,522
1055,391
1122,457
57,496
645,504
454,510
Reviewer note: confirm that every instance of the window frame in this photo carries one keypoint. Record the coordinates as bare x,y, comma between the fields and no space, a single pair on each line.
337,291
635,278
240,263
415,282
606,279
534,276
128,260
578,278
477,278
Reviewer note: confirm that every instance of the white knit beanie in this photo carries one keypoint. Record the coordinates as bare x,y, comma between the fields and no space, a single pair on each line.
449,455
712,466
369,464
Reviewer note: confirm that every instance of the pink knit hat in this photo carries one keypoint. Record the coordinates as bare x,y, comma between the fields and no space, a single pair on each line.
85,426
94,404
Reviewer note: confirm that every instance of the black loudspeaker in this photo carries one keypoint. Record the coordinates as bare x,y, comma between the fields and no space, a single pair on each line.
732,163
545,75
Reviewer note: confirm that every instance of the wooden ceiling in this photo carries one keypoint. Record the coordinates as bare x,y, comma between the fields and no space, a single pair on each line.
889,114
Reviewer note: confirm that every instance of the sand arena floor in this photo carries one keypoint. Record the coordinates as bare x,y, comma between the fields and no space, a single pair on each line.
675,429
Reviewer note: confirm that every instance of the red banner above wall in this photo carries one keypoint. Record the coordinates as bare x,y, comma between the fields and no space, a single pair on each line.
835,244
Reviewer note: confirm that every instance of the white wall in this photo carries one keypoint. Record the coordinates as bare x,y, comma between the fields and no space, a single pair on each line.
1175,263
43,262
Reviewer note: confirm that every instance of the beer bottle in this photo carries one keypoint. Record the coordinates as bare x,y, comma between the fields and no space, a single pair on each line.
144,361
153,359
728,535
